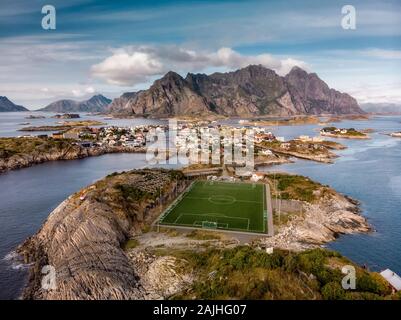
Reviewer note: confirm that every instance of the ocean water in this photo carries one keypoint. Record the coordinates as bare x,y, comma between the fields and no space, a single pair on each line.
11,122
28,195
369,170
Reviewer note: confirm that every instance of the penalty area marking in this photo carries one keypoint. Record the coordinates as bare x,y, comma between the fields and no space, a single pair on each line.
249,201
211,215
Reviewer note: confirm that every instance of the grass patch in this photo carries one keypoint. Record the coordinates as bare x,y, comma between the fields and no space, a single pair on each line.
246,273
131,244
31,146
294,187
284,218
203,235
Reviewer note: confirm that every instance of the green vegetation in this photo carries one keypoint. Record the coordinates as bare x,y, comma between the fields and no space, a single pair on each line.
32,145
284,217
130,193
203,235
66,125
295,187
170,232
220,205
296,146
247,273
332,145
329,129
351,132
131,244
297,120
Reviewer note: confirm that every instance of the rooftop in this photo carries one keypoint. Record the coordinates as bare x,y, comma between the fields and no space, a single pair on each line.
393,278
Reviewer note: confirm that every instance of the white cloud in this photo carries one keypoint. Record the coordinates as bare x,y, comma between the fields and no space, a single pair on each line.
377,93
382,53
127,68
90,90
83,92
135,65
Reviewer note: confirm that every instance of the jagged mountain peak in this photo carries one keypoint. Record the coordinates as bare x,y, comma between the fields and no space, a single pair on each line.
97,103
99,98
8,106
297,69
171,76
251,91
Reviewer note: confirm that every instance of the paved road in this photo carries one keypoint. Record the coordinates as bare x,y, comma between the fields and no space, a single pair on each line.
270,226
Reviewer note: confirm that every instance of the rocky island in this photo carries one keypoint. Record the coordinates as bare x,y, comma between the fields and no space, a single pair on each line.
343,133
16,153
102,245
67,116
291,121
64,126
396,134
303,149
33,117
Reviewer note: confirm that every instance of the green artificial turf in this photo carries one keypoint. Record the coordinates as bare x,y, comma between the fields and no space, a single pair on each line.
220,205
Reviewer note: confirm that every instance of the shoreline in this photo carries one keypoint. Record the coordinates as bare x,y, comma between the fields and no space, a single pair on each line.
72,153
102,225
340,136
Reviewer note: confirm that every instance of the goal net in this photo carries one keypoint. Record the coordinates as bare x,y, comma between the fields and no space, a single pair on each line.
209,224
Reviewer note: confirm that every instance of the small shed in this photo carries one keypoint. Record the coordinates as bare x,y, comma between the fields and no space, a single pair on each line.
392,278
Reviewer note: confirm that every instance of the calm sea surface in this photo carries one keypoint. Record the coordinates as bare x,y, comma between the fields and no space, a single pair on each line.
369,170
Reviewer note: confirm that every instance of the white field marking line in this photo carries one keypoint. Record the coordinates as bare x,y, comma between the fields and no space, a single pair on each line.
216,198
231,184
263,207
196,198
210,214
198,223
232,187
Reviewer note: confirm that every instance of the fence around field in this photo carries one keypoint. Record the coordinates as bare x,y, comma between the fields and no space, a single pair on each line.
176,201
221,224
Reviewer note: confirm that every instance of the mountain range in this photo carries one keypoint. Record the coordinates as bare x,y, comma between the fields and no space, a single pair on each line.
382,108
247,92
97,103
8,106
250,91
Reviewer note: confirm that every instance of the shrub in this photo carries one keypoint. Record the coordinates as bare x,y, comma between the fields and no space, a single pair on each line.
130,193
130,244
333,291
373,283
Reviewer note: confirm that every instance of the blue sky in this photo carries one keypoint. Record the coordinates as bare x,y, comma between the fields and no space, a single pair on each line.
111,47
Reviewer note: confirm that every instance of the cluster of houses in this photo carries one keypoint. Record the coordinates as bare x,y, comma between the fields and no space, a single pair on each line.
189,136
309,139
107,136
333,130
195,137
120,136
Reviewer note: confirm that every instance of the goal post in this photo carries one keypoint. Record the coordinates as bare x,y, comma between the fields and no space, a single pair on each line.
209,225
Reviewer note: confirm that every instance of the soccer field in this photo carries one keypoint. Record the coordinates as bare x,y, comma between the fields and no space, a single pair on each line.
220,205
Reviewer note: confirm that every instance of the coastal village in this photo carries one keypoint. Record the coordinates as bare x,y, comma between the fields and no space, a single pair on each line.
210,157
297,202
194,138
